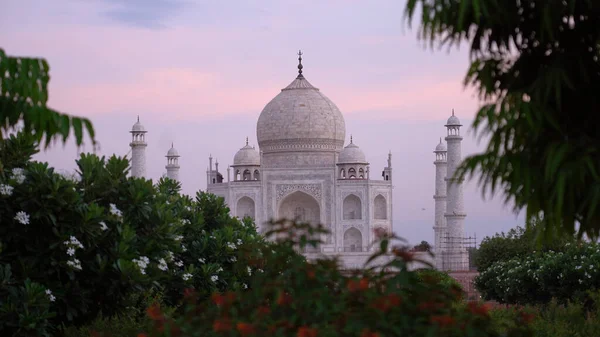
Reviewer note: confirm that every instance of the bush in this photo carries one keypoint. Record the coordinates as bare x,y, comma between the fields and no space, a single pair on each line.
538,278
517,243
295,297
87,242
553,319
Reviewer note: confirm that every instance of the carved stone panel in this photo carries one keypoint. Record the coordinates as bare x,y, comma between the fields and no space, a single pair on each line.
311,189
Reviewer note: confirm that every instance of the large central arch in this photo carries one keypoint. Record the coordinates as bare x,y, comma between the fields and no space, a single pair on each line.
301,207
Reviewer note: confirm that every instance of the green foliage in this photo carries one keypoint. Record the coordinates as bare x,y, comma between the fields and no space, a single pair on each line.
95,238
517,243
442,279
540,277
296,297
424,246
553,319
23,98
536,67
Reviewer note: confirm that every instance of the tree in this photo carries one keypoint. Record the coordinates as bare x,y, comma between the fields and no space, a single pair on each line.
424,246
23,98
535,65
518,242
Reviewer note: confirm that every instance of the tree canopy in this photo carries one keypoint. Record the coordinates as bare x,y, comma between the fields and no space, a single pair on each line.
535,66
23,99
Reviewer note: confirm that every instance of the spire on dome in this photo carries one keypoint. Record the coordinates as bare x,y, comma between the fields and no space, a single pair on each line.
453,112
351,139
300,64
138,118
172,145
246,140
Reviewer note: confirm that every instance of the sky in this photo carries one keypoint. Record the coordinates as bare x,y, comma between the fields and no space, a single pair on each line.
198,74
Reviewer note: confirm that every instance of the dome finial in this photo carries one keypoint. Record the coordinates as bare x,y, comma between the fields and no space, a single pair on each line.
300,64
351,139
440,140
246,141
452,112
171,144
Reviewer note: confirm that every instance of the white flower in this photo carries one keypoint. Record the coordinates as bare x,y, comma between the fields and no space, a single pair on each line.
103,226
178,237
239,242
179,263
162,265
201,260
188,208
245,286
183,249
249,271
142,263
230,245
71,251
115,211
214,278
50,296
220,269
187,276
260,270
22,217
18,174
75,263
74,242
185,221
233,259
170,255
6,190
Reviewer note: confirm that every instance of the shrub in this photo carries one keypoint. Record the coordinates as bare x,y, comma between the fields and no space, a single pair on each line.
296,297
538,278
93,239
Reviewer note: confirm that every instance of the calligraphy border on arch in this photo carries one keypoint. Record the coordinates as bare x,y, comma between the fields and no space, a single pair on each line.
284,190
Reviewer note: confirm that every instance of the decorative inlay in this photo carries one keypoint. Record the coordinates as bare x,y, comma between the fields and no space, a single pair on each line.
312,189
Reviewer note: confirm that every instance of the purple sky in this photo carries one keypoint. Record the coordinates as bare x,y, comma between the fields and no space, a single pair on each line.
199,73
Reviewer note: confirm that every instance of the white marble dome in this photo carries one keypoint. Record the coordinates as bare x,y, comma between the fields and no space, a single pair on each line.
138,127
300,118
441,147
453,120
172,152
352,154
246,156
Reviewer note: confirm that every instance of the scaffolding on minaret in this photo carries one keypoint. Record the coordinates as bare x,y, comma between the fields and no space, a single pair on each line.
457,252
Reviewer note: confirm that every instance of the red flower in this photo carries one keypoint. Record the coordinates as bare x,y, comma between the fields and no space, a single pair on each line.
442,320
221,325
527,318
142,335
356,285
369,333
477,309
311,274
154,312
245,329
284,299
305,331
263,310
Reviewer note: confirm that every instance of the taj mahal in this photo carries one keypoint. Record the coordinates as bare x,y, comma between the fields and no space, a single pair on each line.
303,169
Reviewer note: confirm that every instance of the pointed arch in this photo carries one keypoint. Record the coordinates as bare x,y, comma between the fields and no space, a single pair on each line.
352,240
245,207
352,208
380,207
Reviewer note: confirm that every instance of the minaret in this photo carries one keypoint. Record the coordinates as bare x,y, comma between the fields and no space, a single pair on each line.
387,171
455,213
172,163
138,150
439,227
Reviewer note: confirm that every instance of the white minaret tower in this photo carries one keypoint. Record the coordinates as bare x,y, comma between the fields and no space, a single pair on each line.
439,227
138,150
172,163
455,213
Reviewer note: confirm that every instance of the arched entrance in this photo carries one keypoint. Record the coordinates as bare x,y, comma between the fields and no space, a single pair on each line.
352,240
245,207
301,207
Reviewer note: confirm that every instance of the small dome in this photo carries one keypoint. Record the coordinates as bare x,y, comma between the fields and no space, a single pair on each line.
246,156
453,120
172,152
138,127
441,147
352,154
